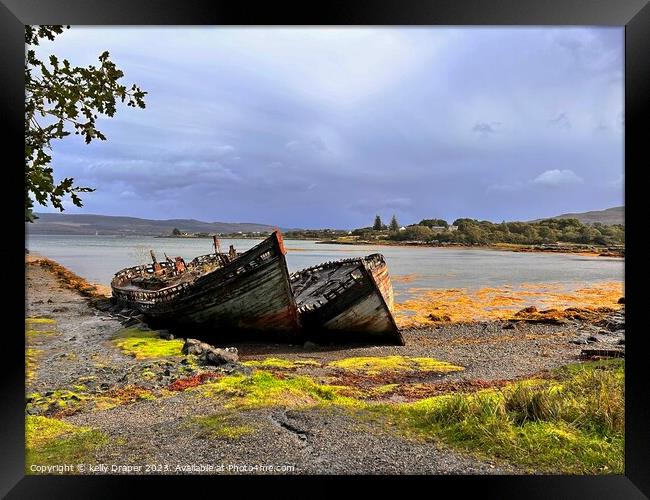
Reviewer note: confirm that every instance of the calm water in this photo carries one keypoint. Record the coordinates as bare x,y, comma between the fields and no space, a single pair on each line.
97,258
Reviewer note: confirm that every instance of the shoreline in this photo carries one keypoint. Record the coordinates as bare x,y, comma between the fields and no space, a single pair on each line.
68,279
511,247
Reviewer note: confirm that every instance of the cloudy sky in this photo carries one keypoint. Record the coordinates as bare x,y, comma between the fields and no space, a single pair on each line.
327,127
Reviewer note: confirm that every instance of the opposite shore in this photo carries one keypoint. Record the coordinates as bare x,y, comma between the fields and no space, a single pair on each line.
604,251
592,250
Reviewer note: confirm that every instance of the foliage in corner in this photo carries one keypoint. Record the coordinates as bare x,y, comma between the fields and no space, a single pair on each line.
60,98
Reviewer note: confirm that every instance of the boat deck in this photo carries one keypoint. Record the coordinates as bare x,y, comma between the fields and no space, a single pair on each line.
160,283
315,286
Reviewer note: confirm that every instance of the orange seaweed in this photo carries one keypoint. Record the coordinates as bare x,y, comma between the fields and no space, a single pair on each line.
185,383
69,279
427,306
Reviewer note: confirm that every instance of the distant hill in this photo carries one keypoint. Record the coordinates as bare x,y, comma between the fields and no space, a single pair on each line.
614,215
111,225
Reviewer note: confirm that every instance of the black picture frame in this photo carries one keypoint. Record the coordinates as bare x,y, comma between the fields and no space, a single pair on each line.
633,14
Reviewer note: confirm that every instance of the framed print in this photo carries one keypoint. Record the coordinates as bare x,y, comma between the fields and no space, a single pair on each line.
351,240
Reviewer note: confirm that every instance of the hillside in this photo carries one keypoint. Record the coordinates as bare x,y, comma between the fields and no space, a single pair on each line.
614,215
48,223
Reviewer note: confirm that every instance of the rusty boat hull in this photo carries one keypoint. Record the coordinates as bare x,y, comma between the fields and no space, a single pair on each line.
347,300
246,292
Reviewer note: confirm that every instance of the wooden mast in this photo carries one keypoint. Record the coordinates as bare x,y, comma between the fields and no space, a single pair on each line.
217,244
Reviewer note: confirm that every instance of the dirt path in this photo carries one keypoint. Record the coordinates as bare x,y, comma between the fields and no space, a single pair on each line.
154,426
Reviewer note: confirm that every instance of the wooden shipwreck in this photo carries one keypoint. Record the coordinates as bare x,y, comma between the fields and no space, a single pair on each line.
226,291
340,301
351,298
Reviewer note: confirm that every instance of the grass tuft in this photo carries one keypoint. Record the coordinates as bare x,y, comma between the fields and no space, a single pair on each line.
573,424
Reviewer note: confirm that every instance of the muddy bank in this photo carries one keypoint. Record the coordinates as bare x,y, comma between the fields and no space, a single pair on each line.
130,398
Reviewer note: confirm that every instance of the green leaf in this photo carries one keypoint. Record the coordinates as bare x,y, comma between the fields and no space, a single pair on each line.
61,96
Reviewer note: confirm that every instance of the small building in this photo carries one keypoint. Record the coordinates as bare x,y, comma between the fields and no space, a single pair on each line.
453,228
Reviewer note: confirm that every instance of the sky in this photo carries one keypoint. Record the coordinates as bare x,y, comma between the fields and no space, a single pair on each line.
327,127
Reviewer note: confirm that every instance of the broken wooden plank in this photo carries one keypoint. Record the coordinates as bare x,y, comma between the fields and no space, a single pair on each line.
603,353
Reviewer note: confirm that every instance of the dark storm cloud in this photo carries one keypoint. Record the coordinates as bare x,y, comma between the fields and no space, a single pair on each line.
328,127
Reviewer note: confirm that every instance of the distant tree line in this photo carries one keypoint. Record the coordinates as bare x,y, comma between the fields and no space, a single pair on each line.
311,234
471,231
475,232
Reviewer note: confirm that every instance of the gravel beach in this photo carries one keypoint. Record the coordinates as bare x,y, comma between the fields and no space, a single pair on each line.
156,435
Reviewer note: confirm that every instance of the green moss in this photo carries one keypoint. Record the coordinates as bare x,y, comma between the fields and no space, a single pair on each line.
191,361
372,365
277,363
220,426
383,389
69,401
39,430
31,357
263,388
31,320
52,442
144,344
33,334
61,399
29,333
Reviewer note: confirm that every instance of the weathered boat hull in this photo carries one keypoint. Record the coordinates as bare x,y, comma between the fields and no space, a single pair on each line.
347,300
251,293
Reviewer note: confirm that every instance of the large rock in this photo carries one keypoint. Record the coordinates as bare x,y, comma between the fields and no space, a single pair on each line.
216,357
210,355
193,346
165,334
614,321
